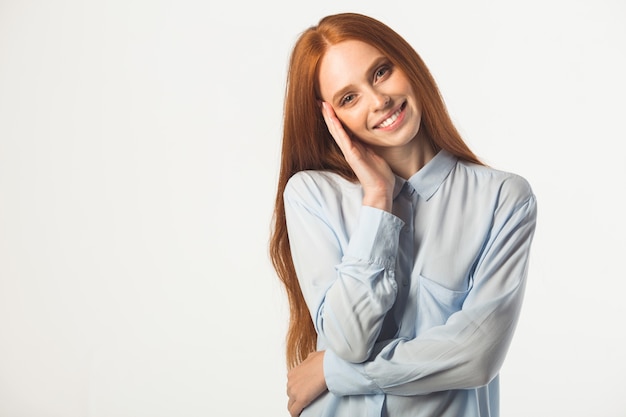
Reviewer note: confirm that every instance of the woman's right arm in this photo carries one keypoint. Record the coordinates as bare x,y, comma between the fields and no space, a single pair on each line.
348,294
348,287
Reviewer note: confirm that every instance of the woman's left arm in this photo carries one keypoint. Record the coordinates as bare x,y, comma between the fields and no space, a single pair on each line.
469,349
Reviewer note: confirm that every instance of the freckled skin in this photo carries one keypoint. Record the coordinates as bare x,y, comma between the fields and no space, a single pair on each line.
364,89
375,90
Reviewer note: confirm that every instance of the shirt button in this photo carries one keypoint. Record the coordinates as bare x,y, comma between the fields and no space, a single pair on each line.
405,282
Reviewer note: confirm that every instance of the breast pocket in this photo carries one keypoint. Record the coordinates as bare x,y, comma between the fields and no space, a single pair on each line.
436,303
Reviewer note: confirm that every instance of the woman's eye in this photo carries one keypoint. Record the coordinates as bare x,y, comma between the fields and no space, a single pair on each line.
381,72
347,99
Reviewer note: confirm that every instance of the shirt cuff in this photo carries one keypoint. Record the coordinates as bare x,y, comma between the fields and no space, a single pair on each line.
345,378
376,237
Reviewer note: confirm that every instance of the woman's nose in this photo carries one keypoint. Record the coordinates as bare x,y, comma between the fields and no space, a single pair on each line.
380,100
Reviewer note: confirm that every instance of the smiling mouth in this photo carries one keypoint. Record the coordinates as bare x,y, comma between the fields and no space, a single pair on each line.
391,119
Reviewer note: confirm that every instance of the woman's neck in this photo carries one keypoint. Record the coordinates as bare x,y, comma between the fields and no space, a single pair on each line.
407,160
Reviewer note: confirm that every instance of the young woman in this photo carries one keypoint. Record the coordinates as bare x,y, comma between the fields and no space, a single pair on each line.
404,258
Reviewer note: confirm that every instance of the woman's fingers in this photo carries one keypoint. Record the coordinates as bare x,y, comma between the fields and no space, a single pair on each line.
373,172
335,128
305,383
352,150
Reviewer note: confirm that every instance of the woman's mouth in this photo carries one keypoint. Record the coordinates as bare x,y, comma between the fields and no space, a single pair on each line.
391,119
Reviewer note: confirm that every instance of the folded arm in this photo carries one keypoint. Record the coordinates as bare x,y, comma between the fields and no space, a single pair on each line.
348,286
468,350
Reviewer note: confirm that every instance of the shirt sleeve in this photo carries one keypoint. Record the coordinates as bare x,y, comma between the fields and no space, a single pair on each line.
469,349
347,293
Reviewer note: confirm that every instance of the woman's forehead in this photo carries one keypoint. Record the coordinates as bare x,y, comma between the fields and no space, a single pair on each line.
345,63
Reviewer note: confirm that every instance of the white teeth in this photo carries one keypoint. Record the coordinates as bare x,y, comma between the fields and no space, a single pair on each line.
391,119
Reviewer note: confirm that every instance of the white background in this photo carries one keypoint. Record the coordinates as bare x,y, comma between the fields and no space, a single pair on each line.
139,147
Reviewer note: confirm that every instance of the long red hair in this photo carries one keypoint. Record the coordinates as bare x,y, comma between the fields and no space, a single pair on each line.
307,143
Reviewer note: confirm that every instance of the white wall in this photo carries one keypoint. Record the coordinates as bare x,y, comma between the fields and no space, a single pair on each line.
139,146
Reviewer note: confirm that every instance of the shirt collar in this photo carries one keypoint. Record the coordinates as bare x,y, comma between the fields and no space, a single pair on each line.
427,180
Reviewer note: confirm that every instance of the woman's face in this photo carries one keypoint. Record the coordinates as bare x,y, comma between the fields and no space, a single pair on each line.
373,99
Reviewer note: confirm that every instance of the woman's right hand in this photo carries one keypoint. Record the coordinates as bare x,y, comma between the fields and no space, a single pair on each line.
373,172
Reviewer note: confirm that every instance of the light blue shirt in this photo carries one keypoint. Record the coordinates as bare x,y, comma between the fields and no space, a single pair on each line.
415,309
